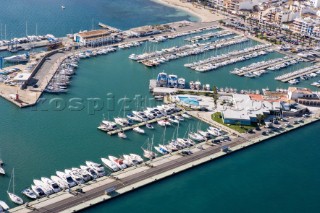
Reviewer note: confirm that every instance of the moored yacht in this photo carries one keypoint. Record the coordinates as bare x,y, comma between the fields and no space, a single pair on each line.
29,193
173,81
53,185
162,79
181,83
138,130
118,161
108,163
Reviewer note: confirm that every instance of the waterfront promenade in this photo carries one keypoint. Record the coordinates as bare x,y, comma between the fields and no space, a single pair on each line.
152,171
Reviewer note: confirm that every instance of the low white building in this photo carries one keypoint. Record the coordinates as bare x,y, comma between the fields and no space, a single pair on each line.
94,37
295,93
245,110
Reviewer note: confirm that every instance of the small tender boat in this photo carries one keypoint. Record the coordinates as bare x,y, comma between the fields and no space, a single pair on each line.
3,206
149,126
122,135
138,130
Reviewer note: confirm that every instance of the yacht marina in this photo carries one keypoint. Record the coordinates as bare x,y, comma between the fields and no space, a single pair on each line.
259,68
207,36
125,179
224,60
301,74
165,55
79,187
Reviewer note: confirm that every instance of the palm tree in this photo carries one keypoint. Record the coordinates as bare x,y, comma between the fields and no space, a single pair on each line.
215,95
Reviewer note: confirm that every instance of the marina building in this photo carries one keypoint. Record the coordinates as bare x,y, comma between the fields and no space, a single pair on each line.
95,37
245,111
21,78
295,93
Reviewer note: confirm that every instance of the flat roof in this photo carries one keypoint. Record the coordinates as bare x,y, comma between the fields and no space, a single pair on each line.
94,33
22,77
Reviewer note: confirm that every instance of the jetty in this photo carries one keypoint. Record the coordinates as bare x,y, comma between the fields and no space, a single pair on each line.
298,73
265,66
106,188
127,128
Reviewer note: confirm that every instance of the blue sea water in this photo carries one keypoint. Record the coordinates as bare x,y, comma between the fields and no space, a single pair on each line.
280,175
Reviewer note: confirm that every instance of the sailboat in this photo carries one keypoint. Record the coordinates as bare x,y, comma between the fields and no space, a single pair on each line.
148,153
14,198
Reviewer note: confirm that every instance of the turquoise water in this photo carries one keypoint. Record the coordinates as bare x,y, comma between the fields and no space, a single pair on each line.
281,175
189,100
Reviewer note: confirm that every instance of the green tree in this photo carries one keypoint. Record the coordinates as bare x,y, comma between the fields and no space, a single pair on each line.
260,118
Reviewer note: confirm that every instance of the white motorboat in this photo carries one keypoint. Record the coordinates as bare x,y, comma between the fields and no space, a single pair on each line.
121,121
196,137
128,161
53,185
61,183
14,198
83,173
47,190
29,193
3,206
108,163
118,161
185,115
37,190
67,178
138,130
75,176
90,171
2,172
122,135
98,168
136,157
149,126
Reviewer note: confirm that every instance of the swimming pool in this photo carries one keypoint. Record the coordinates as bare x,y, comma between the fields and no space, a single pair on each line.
189,100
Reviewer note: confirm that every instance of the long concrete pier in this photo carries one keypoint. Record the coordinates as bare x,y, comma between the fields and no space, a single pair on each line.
153,171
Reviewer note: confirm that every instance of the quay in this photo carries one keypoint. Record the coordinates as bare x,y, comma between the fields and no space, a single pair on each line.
141,124
119,183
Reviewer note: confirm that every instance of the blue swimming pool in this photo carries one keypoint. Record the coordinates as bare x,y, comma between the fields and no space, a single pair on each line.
189,100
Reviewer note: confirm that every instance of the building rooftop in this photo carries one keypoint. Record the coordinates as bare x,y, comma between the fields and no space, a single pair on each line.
301,90
22,77
94,33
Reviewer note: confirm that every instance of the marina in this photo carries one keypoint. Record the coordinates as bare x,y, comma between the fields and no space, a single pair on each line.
154,132
165,55
130,179
290,77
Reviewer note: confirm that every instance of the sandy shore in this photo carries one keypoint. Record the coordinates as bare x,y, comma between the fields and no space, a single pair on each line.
203,14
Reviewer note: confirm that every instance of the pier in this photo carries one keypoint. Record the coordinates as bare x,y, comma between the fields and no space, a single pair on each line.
259,68
296,74
127,128
119,183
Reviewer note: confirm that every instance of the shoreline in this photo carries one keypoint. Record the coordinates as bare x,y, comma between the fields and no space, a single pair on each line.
202,14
